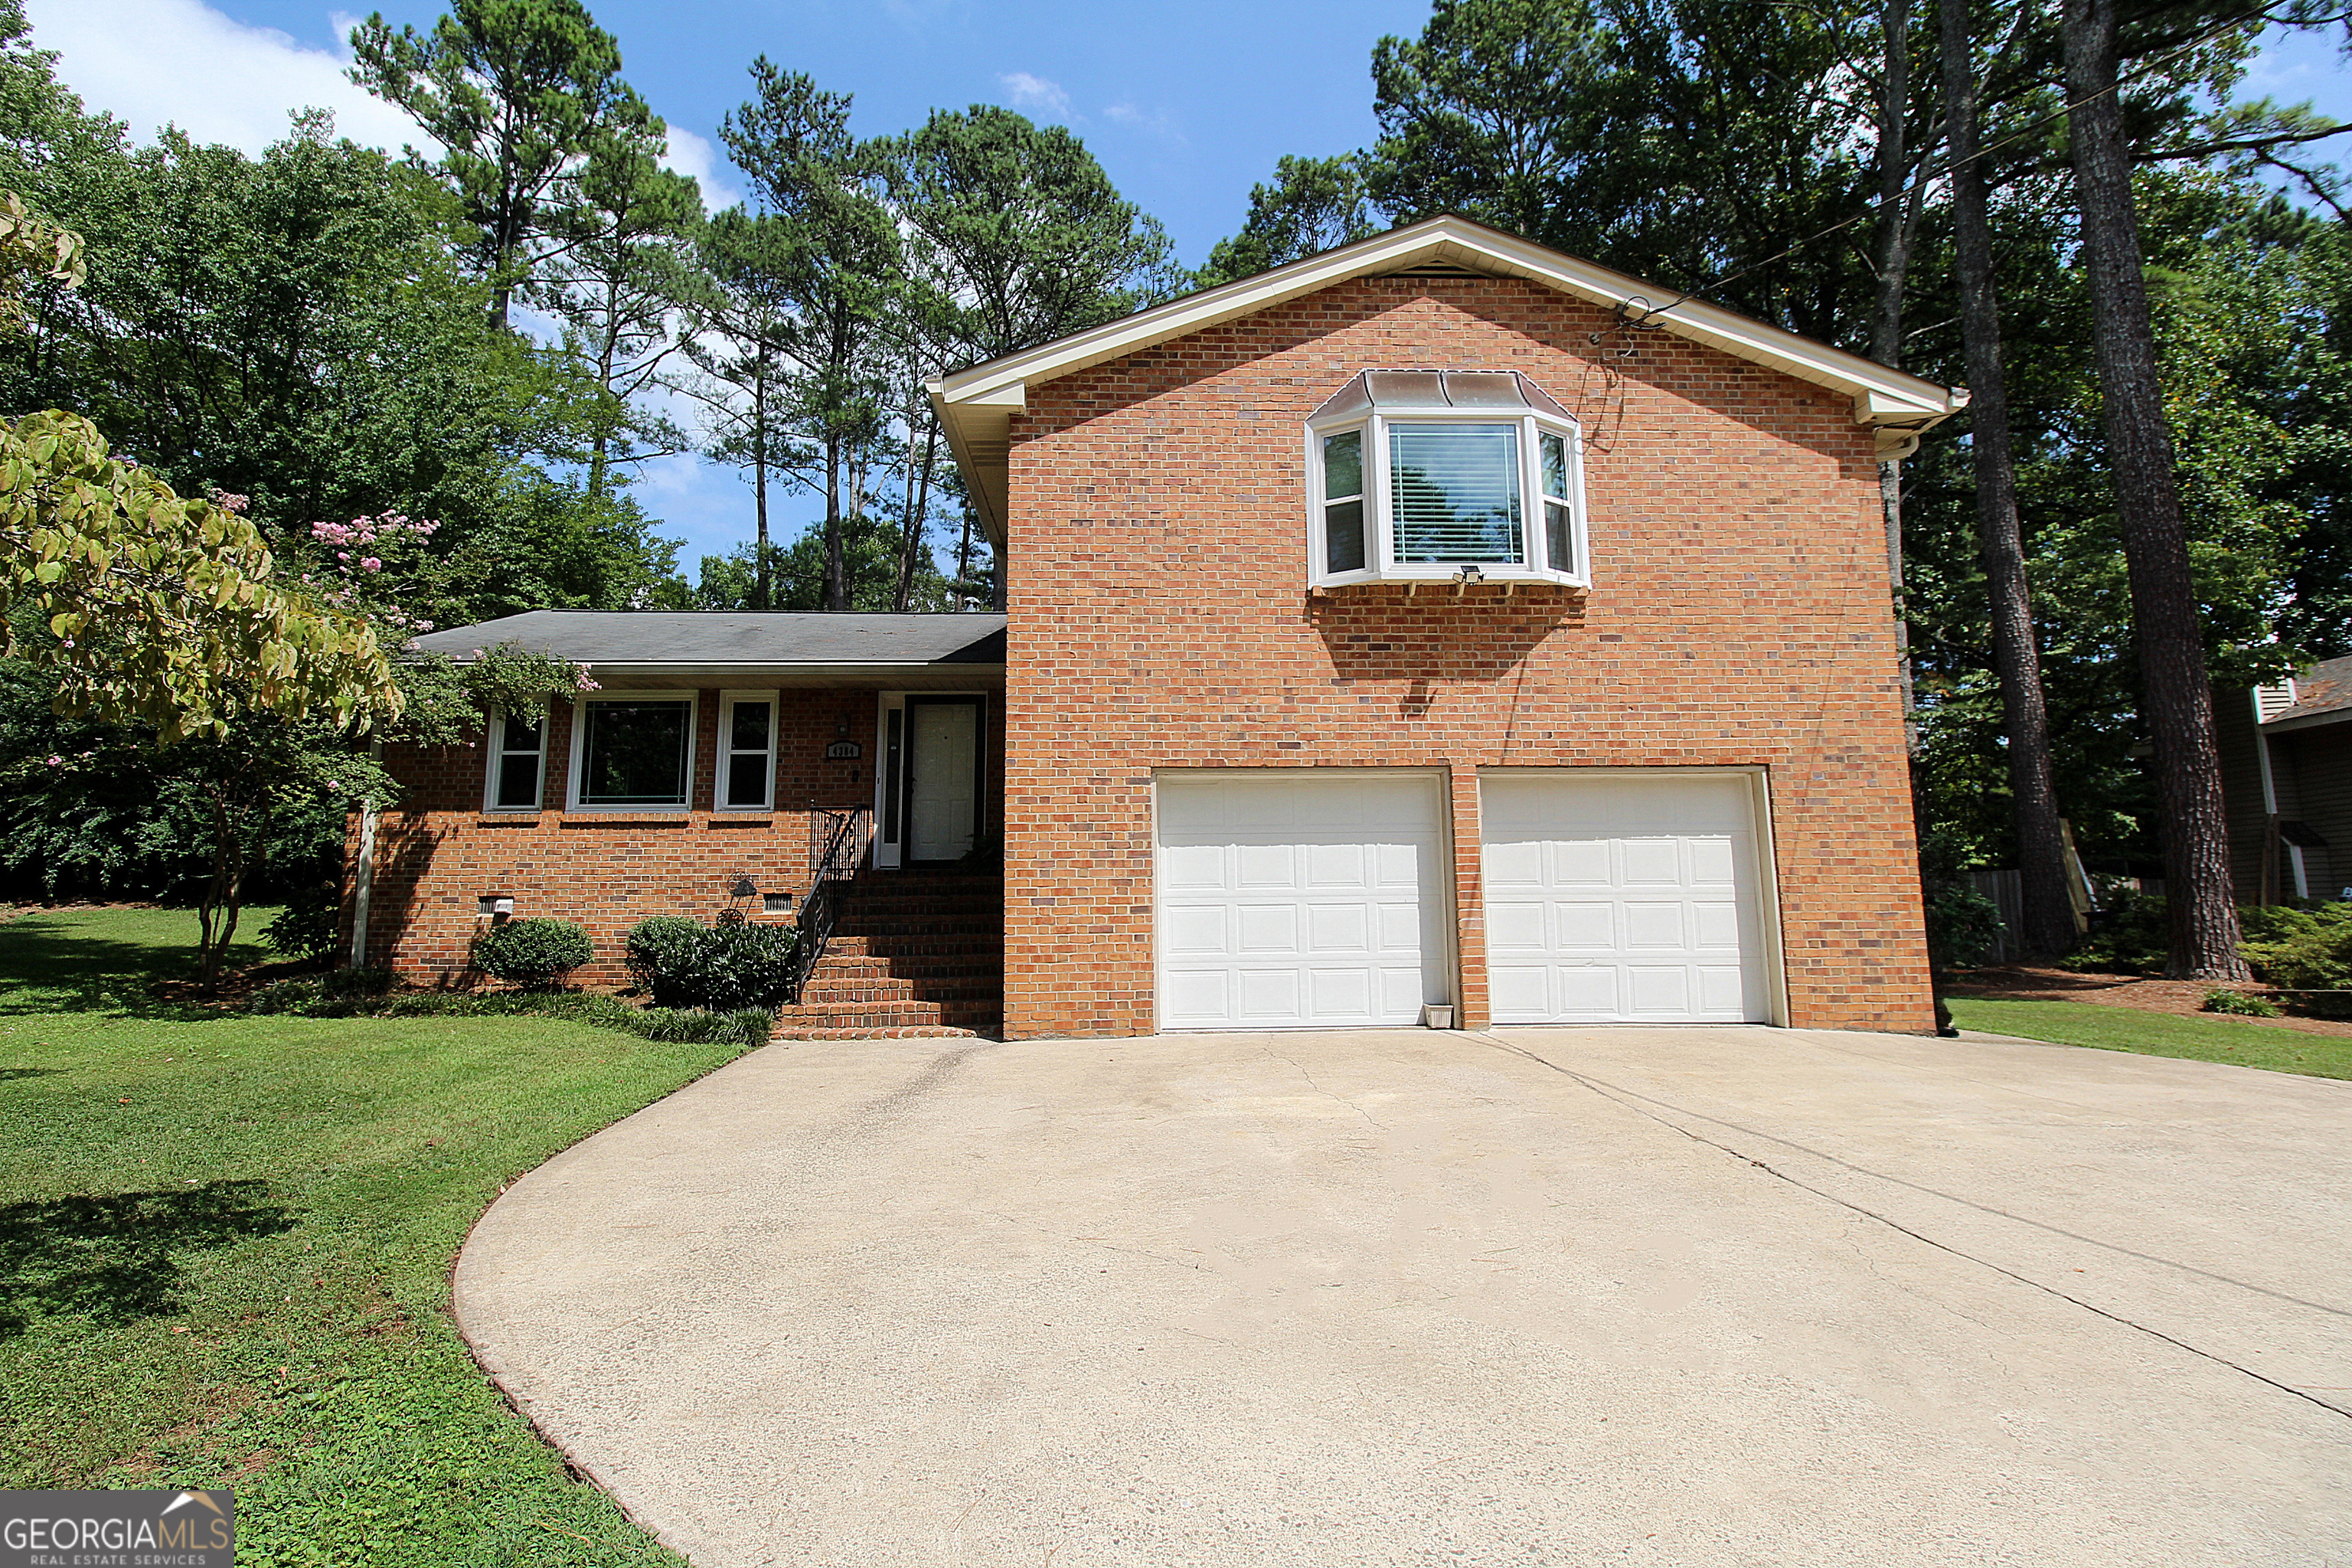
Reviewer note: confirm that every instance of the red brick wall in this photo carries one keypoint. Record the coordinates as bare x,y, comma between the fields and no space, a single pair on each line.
437,852
1160,617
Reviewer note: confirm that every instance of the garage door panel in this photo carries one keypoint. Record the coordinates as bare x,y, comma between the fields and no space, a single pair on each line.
1335,865
1582,925
1582,863
1649,893
1339,928
1516,928
1195,930
1270,995
1650,862
1265,866
1331,902
1653,926
1266,929
1716,924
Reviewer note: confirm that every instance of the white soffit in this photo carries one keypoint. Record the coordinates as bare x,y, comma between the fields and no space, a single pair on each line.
975,405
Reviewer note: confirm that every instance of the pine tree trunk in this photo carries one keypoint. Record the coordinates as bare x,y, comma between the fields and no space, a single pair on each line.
763,580
918,504
2048,916
836,576
2173,686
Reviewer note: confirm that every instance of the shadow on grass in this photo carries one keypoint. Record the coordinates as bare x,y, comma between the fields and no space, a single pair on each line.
116,1258
52,965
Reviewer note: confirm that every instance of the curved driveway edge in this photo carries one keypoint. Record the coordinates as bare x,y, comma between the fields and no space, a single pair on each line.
1686,1297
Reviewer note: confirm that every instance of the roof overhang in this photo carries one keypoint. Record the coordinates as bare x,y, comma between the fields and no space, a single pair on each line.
2290,722
917,674
976,406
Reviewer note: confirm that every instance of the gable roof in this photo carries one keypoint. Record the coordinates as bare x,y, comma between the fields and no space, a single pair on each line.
679,641
2323,695
975,405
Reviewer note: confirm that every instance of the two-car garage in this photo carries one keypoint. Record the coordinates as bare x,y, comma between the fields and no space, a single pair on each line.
1322,897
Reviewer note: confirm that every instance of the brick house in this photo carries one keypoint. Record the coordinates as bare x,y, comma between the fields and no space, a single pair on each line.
1427,623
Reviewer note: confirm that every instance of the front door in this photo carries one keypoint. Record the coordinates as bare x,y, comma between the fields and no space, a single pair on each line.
942,777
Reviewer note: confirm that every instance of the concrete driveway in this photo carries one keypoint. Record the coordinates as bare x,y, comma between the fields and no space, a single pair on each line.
1684,1297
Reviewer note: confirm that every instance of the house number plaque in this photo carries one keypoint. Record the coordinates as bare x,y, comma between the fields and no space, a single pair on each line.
844,752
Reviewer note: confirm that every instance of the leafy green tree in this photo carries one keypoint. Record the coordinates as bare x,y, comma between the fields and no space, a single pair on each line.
518,93
839,260
161,610
1017,234
798,573
1313,204
618,283
740,342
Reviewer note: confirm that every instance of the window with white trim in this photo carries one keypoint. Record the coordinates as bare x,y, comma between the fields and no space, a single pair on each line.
633,751
518,762
747,751
1438,475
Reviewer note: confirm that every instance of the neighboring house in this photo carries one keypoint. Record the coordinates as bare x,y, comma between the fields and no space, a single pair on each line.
1425,623
2286,772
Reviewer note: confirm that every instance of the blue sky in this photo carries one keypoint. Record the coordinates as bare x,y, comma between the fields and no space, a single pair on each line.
1186,106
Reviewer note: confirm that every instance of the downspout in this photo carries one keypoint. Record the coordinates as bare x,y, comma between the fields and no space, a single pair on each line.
2270,796
364,880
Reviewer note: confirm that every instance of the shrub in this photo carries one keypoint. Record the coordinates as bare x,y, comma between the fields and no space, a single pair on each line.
2129,938
746,1025
2301,948
662,954
2244,1003
1963,927
310,926
684,964
532,952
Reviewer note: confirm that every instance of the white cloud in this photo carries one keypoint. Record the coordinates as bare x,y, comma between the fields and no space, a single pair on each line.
1035,92
694,156
1155,123
178,62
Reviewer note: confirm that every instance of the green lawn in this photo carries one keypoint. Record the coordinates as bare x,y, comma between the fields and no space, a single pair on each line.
225,1247
2206,1039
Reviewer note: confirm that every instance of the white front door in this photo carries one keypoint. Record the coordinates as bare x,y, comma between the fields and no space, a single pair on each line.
942,779
1623,898
1300,899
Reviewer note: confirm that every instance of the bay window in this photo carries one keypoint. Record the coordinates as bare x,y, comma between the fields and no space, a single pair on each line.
1464,476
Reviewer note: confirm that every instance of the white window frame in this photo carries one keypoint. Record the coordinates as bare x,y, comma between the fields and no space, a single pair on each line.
580,706
495,773
1380,565
727,753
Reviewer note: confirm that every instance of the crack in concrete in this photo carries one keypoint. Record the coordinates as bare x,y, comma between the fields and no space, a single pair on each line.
1326,1093
1625,1098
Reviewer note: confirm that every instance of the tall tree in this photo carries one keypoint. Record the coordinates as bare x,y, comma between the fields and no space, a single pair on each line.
740,339
2179,695
841,257
2048,915
1019,235
619,282
516,93
1313,204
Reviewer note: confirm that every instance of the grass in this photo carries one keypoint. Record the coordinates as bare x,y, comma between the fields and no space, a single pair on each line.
225,1245
2202,1039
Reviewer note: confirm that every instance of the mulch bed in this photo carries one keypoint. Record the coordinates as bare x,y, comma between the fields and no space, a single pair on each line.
2038,983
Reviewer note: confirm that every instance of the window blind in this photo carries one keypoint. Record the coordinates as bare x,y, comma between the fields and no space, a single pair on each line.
1454,492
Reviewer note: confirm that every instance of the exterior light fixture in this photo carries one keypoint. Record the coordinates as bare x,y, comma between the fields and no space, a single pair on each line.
1469,575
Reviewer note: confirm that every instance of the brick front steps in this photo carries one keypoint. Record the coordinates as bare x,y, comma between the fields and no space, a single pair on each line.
915,954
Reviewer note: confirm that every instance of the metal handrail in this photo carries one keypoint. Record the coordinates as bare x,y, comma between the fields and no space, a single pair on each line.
838,845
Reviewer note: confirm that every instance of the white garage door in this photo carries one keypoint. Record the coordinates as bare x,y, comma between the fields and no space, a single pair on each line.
1300,901
1623,899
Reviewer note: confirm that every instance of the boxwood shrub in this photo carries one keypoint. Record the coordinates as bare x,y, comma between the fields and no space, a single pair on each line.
532,952
685,964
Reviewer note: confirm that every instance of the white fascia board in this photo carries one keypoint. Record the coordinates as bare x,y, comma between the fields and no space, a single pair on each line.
1882,396
813,671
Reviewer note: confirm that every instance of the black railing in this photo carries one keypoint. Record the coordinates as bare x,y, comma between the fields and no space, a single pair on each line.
838,845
